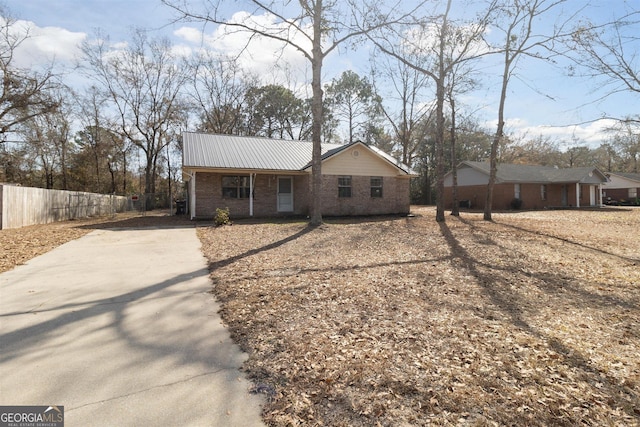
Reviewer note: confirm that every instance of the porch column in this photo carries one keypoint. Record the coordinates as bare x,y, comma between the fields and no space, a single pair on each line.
601,203
251,179
577,195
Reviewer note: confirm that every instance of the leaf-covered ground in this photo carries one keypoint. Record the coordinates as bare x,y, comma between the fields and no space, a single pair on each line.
533,319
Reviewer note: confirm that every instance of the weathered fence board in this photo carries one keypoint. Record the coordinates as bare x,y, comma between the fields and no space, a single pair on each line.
22,206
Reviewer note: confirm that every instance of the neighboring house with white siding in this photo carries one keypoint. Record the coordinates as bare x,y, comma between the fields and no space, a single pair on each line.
264,177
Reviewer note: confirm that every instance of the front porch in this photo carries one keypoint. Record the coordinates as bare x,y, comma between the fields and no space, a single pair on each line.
248,194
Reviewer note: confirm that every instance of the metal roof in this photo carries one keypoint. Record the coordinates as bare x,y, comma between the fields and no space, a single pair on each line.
244,152
536,174
203,150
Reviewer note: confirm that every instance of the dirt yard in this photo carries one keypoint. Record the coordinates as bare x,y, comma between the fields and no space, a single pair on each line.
533,319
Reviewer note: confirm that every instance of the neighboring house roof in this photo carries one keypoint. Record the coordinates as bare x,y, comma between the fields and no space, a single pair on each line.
627,175
536,174
203,150
622,180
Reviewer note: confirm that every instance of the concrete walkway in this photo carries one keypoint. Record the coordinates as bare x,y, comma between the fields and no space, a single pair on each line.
119,328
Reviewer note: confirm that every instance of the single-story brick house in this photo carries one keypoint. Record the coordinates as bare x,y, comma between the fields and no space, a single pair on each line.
537,187
264,177
622,187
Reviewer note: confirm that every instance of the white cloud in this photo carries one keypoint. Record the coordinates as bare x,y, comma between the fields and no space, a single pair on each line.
264,56
591,134
43,45
189,34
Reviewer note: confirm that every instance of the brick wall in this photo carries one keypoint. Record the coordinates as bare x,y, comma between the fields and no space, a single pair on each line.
619,193
530,194
394,200
265,202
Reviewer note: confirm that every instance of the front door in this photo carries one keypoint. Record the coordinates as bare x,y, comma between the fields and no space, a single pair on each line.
285,194
565,198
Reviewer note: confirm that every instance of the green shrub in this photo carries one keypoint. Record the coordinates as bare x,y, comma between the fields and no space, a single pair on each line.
222,217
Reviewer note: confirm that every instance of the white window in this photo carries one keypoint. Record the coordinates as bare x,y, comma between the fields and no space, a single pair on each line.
633,193
516,191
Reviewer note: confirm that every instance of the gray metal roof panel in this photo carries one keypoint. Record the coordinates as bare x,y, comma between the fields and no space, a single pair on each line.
242,152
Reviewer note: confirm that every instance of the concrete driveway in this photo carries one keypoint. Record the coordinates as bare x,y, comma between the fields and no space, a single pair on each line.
119,328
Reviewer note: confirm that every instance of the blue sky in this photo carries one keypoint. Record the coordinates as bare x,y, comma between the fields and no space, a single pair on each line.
542,102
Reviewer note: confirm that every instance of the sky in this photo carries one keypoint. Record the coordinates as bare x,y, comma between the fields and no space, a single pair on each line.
542,100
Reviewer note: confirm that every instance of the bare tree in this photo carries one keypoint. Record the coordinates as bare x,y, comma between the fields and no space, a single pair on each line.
446,44
538,150
516,21
610,52
459,81
144,82
48,137
627,141
25,93
219,87
407,89
315,28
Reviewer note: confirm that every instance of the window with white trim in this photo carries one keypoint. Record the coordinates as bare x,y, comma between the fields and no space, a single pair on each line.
235,187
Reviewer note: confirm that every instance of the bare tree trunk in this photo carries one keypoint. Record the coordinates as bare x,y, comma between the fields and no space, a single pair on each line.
493,159
428,187
316,112
440,95
124,172
455,209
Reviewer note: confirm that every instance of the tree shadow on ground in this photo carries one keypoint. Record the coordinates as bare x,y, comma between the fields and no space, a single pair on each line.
223,263
551,282
564,240
511,305
16,341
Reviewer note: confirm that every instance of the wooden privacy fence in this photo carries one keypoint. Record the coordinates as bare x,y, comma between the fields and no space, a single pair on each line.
22,206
